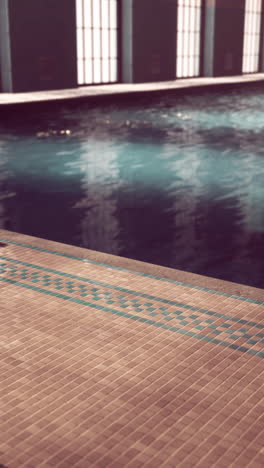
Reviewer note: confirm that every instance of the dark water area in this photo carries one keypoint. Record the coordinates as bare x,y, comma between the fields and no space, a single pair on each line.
174,181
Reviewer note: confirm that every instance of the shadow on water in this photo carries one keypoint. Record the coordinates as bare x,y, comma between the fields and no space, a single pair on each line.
204,236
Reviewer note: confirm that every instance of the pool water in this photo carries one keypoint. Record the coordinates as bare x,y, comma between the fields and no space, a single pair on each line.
174,181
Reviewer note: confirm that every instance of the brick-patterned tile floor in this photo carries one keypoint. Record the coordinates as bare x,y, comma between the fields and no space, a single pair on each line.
103,366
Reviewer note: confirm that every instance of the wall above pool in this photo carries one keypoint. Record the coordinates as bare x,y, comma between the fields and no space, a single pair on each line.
48,45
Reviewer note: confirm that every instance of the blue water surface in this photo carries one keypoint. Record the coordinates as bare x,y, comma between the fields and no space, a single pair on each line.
175,181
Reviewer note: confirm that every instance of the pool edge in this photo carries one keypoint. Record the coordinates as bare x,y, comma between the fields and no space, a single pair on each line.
126,91
192,280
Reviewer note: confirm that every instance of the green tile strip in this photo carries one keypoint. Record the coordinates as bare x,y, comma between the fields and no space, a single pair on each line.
136,318
172,315
123,290
93,262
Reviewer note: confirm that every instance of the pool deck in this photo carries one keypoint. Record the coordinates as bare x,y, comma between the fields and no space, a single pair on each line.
110,362
121,90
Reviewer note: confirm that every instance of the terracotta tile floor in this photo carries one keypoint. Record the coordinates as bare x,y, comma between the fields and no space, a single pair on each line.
107,367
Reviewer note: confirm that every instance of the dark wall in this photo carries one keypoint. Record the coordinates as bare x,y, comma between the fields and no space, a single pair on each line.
154,40
229,32
43,44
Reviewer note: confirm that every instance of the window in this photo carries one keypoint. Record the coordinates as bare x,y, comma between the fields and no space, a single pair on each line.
97,33
188,38
252,27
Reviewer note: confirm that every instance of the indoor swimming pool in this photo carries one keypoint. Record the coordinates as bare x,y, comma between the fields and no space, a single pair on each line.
174,180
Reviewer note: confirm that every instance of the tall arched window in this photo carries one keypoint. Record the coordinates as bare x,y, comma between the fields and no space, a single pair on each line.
97,35
188,38
252,29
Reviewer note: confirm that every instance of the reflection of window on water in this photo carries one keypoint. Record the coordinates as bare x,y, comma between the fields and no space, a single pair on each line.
188,38
97,41
252,36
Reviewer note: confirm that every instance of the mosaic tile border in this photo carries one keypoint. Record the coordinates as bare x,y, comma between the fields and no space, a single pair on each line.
130,291
237,334
93,262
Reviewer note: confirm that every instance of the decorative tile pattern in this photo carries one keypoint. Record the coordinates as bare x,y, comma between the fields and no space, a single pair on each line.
174,316
167,280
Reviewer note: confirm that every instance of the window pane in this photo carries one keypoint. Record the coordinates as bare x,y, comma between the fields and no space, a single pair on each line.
192,44
105,43
81,71
97,71
80,43
185,66
88,76
113,43
96,43
96,14
113,76
87,14
105,14
106,71
192,19
179,68
79,14
113,14
87,43
196,69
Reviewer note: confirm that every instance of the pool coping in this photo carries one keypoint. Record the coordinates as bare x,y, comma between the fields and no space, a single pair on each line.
191,280
126,90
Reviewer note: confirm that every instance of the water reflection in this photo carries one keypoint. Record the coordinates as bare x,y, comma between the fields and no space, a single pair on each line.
157,184
101,180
